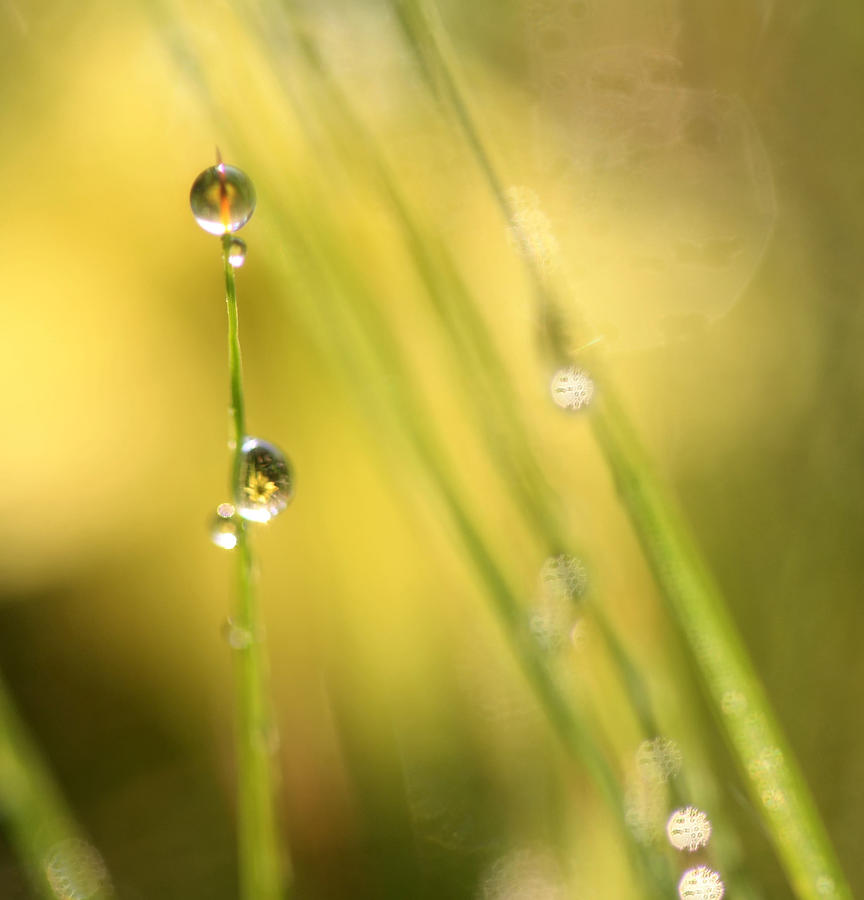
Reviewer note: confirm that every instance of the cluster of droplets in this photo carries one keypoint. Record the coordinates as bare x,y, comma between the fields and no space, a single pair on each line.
554,620
656,762
688,829
265,486
572,388
223,200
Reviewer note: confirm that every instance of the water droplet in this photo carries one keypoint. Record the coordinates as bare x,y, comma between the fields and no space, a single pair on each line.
223,530
688,829
237,252
236,637
564,576
75,870
825,886
222,199
572,388
531,873
701,883
733,703
530,229
266,481
658,759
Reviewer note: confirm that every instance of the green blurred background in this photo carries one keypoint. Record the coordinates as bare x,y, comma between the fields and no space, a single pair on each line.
695,172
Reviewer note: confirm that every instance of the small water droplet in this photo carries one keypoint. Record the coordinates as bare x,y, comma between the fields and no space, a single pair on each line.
733,703
266,483
564,577
688,829
237,252
224,528
658,759
572,388
825,886
701,883
75,870
236,637
222,199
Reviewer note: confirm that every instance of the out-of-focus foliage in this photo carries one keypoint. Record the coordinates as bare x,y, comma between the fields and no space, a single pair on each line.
692,173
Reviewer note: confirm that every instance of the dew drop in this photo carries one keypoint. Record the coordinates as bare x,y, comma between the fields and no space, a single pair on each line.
266,483
75,870
223,529
237,252
236,637
688,829
564,576
572,388
222,199
530,873
825,886
701,883
658,759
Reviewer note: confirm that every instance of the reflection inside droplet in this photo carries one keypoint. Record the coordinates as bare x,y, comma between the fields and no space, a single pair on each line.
266,483
222,199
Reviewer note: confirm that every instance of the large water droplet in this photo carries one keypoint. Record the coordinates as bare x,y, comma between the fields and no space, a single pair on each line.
266,483
572,388
237,252
223,530
222,199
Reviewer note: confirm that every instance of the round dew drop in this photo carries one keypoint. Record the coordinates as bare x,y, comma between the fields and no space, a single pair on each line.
222,199
688,829
701,883
223,529
571,388
266,483
236,252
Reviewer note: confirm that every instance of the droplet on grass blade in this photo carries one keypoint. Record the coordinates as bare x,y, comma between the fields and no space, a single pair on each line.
223,529
222,199
572,389
237,252
75,870
235,636
688,829
701,883
266,483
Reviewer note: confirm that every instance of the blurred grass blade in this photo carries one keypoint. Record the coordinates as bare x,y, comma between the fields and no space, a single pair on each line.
770,769
763,754
56,856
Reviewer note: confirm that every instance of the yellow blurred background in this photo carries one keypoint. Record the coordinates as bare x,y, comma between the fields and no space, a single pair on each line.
692,174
